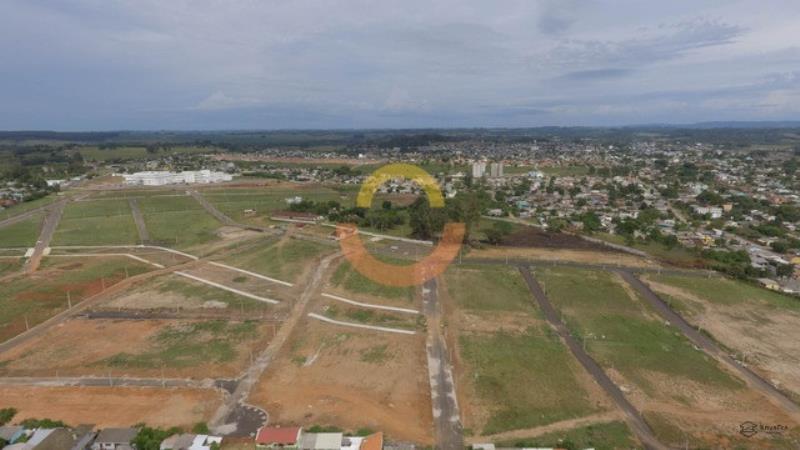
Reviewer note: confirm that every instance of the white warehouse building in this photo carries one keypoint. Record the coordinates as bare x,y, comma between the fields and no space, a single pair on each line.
163,177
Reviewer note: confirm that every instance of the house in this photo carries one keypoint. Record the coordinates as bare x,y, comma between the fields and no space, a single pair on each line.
115,439
47,439
769,284
10,434
372,442
188,441
278,437
321,441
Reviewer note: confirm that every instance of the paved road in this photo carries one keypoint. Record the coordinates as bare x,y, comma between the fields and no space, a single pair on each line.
49,226
710,347
632,415
228,419
446,416
141,226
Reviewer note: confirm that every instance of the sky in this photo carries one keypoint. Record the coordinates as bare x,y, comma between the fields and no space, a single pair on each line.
267,64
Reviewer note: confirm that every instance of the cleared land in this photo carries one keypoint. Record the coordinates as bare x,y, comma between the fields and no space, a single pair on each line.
44,294
97,222
112,406
558,255
146,348
678,388
352,284
326,375
22,234
178,221
512,371
611,435
287,260
761,327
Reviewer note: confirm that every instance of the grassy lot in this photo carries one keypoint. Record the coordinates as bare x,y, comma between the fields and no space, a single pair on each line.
203,293
526,378
98,222
22,234
604,436
188,345
267,200
619,334
372,317
95,153
488,288
678,255
39,298
8,265
285,260
729,292
349,279
27,206
178,221
566,171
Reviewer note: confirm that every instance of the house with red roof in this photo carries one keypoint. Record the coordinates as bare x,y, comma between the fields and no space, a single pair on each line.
278,437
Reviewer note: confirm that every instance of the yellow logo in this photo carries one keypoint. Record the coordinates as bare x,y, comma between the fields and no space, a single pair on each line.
392,274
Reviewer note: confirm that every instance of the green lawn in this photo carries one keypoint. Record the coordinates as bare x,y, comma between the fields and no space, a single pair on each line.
41,298
566,171
282,260
178,221
526,378
488,288
604,436
189,345
349,279
97,222
620,334
22,234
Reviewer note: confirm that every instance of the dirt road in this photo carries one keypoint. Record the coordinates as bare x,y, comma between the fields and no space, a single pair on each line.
141,226
49,226
710,347
632,416
446,416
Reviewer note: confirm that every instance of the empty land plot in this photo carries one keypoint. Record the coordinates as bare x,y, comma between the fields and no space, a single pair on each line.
350,283
561,255
370,316
178,221
267,200
660,371
512,371
27,206
37,297
287,260
603,436
761,327
172,291
22,234
351,379
96,222
9,264
147,348
112,406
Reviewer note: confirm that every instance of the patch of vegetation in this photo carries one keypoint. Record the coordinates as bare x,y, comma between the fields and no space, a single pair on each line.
349,279
728,292
189,345
178,221
150,438
6,414
98,222
488,288
42,423
604,436
376,355
22,234
283,260
502,367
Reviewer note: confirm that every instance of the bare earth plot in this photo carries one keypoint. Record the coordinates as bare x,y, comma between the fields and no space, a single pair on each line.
112,406
761,327
512,372
329,375
42,295
682,393
139,348
96,222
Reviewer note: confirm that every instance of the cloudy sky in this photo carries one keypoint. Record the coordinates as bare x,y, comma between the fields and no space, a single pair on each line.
222,64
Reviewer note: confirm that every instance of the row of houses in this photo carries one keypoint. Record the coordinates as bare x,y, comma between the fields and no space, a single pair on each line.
295,438
84,437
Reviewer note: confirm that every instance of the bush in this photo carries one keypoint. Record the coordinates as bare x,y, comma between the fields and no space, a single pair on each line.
6,414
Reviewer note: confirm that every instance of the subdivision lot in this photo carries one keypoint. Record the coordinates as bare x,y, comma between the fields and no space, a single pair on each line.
512,371
96,222
350,283
178,221
112,406
139,348
286,260
760,327
609,435
677,387
329,375
561,256
9,264
369,316
35,298
22,234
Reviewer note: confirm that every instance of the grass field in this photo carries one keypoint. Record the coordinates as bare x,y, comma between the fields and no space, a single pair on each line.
525,377
286,260
566,171
189,345
604,436
38,298
488,288
178,221
623,334
10,264
349,279
372,317
265,201
98,222
27,206
22,234
729,292
678,255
